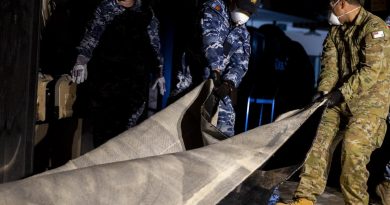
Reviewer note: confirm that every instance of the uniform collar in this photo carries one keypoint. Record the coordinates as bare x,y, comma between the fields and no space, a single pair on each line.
361,16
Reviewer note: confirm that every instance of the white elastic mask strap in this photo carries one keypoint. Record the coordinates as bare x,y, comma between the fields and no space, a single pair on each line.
349,12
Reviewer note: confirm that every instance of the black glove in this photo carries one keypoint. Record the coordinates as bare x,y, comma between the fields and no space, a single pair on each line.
335,97
216,76
388,118
318,97
224,89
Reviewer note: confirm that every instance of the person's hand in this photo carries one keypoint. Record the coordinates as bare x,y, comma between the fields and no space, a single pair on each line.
160,82
216,76
335,97
388,117
318,97
126,3
79,72
224,89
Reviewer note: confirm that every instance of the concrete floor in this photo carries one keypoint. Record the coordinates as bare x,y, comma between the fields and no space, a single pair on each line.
330,196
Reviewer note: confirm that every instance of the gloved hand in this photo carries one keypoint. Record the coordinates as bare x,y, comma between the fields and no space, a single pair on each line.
317,97
79,72
335,97
160,82
388,118
216,76
224,89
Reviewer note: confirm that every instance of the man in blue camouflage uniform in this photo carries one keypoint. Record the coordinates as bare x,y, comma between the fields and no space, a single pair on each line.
355,79
123,44
227,49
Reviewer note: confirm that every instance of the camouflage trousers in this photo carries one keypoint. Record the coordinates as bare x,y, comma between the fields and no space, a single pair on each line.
360,136
226,116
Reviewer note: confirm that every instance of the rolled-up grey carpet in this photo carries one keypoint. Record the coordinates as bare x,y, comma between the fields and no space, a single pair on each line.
161,161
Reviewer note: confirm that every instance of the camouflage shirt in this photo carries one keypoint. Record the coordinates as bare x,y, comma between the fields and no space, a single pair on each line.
104,14
356,60
226,47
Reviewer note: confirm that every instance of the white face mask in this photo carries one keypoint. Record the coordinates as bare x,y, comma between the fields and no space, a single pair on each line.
333,19
239,17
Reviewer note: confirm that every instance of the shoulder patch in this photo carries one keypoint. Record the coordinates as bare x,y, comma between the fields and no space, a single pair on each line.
378,34
216,6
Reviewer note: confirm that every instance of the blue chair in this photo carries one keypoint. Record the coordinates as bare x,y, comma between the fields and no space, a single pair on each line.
261,102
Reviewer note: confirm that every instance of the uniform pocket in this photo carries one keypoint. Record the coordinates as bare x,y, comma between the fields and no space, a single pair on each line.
381,132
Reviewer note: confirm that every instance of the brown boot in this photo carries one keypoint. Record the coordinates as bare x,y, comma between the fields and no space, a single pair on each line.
383,191
299,201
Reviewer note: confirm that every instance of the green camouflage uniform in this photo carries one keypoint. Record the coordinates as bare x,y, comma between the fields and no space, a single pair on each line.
355,60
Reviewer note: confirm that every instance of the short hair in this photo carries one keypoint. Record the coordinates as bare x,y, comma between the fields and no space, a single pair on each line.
357,2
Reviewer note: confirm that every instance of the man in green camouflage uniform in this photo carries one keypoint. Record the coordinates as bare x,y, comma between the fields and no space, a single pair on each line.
355,78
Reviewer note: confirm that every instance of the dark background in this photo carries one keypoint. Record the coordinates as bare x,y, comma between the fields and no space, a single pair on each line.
65,27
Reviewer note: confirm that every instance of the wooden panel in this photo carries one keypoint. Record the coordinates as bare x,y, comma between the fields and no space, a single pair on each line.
19,37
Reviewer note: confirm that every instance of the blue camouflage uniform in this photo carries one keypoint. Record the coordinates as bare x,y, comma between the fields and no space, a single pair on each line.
227,48
104,15
124,47
184,76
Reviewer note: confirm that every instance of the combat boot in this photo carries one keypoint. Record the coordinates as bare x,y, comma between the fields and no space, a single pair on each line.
383,191
299,201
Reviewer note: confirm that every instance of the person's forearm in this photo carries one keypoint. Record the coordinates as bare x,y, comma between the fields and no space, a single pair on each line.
104,14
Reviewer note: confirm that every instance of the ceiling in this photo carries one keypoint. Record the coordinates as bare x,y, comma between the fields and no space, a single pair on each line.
318,9
312,9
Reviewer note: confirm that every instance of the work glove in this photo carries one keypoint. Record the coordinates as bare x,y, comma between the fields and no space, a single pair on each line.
216,76
319,96
224,89
388,118
160,82
335,97
79,72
